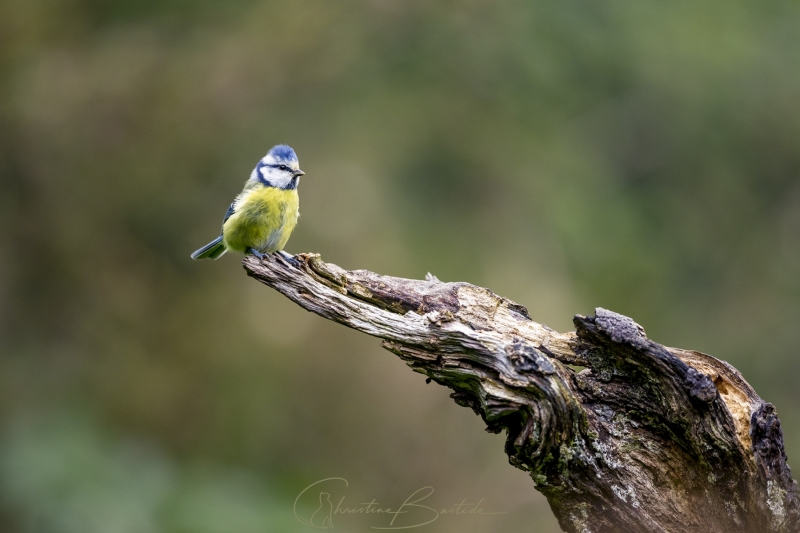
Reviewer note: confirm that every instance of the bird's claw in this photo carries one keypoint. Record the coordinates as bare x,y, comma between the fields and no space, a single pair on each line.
289,258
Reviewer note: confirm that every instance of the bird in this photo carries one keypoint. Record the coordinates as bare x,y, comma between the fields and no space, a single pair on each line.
263,216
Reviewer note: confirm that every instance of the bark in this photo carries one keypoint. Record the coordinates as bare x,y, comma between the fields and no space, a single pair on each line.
644,438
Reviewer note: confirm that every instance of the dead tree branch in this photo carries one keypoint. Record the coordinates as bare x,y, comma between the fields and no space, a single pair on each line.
644,439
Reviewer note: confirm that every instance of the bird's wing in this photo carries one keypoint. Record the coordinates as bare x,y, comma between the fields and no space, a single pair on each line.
248,186
228,214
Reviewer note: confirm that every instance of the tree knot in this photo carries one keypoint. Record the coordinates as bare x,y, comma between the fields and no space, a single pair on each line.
526,358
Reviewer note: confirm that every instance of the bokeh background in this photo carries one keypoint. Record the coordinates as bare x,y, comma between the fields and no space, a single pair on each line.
639,156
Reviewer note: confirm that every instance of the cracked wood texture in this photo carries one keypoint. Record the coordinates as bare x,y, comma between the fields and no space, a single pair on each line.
645,438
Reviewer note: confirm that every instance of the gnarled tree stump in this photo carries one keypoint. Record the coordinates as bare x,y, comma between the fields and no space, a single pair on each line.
645,438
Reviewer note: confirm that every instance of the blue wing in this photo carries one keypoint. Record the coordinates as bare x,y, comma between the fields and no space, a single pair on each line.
228,214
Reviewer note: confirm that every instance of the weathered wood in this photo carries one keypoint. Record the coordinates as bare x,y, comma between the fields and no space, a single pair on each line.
645,438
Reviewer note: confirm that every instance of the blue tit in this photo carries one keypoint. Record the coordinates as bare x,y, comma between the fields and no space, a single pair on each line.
262,217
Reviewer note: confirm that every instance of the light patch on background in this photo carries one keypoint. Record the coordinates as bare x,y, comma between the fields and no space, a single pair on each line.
273,319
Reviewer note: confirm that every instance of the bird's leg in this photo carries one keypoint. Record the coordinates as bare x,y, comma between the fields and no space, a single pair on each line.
256,253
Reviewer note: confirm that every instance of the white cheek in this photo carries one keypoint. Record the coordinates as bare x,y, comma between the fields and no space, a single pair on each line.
275,177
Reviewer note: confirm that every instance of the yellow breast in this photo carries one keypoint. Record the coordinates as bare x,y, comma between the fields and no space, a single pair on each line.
264,218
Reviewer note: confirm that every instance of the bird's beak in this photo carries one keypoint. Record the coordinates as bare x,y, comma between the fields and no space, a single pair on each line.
298,173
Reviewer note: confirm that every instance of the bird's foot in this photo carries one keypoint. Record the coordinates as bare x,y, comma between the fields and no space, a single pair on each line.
289,258
256,253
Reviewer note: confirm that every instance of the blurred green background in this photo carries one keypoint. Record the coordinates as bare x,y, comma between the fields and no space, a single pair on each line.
639,156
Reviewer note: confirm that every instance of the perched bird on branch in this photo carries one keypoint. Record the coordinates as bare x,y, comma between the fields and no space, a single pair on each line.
262,217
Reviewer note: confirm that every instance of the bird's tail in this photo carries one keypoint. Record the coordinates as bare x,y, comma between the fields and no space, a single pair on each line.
212,250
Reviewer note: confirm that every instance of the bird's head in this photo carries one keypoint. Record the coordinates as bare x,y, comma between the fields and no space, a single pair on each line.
279,168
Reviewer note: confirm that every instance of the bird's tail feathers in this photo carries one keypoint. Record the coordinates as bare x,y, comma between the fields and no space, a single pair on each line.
212,250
